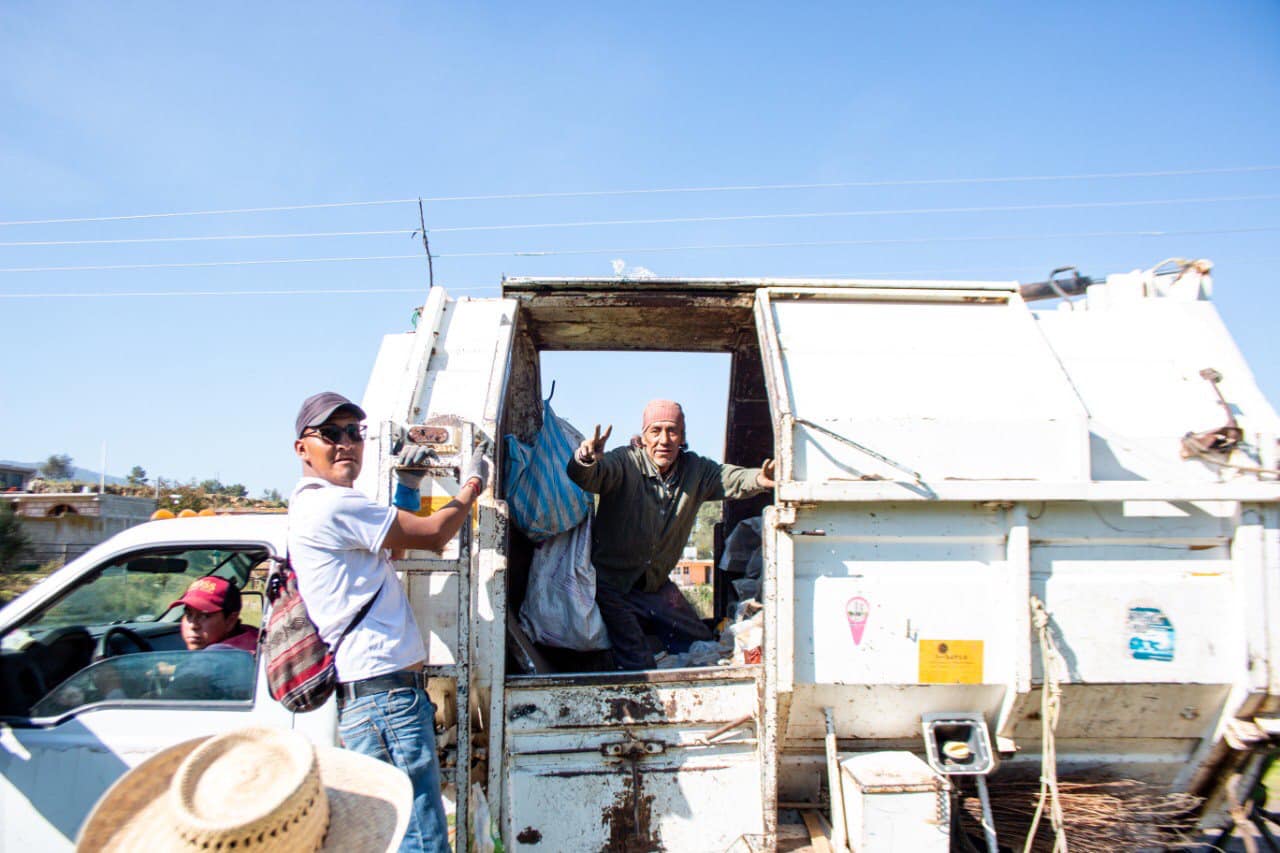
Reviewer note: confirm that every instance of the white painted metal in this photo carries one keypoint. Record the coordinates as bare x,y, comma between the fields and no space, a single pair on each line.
938,492
894,803
922,386
453,364
1235,490
1136,367
451,367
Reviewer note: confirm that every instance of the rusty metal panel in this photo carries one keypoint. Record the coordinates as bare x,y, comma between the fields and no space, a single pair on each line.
669,763
638,321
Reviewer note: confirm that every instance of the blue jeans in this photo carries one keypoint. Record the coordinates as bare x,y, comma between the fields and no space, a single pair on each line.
398,727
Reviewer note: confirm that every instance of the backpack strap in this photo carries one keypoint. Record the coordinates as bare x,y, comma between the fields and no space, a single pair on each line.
364,611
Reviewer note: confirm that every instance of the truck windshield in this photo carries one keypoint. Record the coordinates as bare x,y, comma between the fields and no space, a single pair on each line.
141,588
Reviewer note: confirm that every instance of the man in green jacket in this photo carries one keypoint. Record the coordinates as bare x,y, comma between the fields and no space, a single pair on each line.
649,498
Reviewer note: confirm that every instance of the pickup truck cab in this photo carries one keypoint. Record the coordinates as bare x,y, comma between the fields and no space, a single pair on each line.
95,678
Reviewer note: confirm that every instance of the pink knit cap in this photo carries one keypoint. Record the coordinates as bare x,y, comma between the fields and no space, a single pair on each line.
663,410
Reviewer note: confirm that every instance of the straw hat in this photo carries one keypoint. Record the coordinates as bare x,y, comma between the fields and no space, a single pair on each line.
252,790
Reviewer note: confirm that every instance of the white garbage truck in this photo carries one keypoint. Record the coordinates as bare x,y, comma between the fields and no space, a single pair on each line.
1021,568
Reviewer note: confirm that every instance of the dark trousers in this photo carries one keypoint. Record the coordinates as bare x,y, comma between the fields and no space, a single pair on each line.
630,615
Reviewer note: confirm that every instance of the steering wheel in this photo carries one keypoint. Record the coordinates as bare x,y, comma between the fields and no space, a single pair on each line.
105,647
23,686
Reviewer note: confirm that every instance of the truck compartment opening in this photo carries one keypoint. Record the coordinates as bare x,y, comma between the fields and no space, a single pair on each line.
629,337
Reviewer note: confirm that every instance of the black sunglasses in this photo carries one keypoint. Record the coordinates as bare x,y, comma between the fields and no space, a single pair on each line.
333,433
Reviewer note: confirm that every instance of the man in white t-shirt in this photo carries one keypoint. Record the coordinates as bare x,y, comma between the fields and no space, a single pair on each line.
338,546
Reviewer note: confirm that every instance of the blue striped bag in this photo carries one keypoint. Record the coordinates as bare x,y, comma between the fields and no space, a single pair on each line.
542,499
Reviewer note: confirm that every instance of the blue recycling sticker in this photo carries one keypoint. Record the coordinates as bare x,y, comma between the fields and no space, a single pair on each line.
1151,634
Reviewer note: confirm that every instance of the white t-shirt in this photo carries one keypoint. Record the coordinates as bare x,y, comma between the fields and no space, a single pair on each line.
335,546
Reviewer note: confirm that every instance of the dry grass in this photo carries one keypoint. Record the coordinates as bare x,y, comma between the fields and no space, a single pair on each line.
14,583
1122,814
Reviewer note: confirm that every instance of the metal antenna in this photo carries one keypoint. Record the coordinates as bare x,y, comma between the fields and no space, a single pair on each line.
431,271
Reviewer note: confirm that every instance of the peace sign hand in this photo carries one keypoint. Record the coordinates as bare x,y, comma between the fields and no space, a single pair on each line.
591,448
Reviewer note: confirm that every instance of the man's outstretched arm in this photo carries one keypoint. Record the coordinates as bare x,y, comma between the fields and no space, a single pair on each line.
433,532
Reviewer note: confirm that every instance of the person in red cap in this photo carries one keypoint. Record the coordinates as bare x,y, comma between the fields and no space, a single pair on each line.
211,617
649,498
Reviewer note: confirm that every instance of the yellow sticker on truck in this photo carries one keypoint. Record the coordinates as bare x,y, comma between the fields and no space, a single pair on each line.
950,661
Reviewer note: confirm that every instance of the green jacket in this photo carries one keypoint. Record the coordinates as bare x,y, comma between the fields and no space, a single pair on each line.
643,520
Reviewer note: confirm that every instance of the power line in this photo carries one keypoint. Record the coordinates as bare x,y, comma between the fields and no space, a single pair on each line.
539,253
841,214
206,238
197,264
889,242
747,217
1223,170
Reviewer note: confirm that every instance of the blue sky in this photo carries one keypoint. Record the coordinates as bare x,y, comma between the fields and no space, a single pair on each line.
137,108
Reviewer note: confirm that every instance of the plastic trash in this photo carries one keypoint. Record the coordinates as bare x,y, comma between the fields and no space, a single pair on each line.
559,607
484,835
743,555
748,634
542,499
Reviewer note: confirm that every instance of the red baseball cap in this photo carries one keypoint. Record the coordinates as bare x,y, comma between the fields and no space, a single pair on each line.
211,595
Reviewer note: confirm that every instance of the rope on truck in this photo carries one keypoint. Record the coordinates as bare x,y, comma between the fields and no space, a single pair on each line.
1050,708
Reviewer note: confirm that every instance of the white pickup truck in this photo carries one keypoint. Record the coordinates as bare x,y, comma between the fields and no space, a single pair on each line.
94,676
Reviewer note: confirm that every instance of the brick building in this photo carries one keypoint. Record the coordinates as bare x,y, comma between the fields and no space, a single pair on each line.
63,526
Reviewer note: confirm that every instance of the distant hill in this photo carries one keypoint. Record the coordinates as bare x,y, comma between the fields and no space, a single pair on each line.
77,473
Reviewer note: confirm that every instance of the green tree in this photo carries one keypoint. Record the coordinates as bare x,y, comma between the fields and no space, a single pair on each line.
57,467
271,495
13,539
235,490
138,476
704,537
179,496
213,487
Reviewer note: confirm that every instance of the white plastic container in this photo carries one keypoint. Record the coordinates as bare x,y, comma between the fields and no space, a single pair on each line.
894,803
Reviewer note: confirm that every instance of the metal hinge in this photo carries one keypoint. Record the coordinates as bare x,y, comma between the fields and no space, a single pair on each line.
632,748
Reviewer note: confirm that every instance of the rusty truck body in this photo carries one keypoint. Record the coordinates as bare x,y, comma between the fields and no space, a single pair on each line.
981,507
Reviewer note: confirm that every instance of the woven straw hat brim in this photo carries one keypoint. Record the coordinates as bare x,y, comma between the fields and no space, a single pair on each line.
369,805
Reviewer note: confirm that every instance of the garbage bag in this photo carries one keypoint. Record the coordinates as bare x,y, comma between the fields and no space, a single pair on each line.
742,548
482,833
542,499
560,603
748,633
742,553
